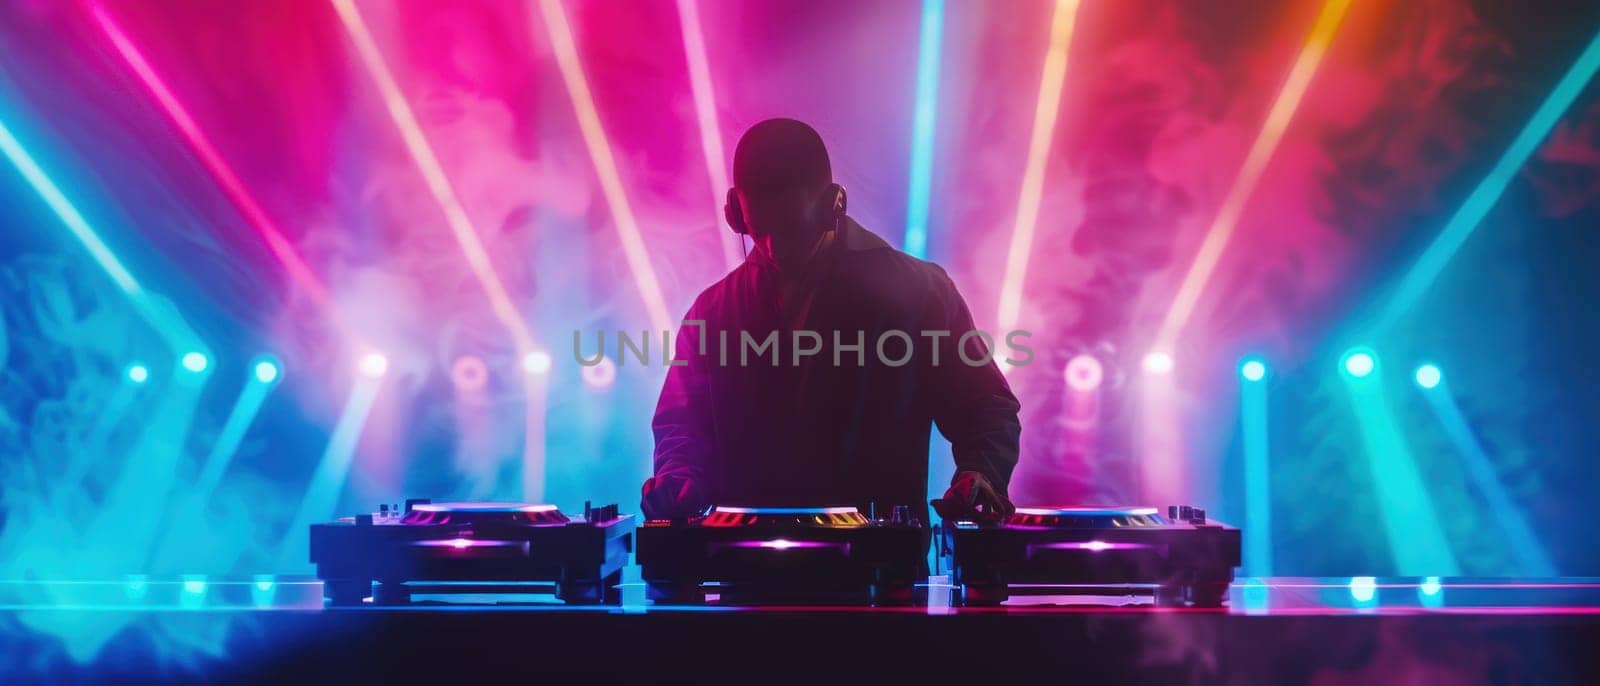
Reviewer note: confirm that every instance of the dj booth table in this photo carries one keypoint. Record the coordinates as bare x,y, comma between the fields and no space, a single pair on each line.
1331,631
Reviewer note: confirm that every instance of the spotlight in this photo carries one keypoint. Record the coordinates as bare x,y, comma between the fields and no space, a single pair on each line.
1084,373
1429,376
374,365
138,373
602,374
1359,363
469,373
1363,588
1158,362
266,371
1253,370
536,362
1431,586
195,362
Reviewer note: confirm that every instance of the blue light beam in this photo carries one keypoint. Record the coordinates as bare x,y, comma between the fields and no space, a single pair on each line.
922,128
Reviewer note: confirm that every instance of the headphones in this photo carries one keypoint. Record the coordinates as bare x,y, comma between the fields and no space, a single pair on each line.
832,198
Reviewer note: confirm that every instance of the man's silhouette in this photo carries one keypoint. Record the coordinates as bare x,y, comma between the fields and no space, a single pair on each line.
736,425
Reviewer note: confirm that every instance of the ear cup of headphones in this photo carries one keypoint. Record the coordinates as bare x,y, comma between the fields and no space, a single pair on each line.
734,214
835,198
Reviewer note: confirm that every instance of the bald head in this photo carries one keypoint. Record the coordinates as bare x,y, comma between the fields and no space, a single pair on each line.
779,155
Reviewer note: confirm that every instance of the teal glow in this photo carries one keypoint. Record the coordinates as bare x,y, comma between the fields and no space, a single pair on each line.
1257,474
1411,525
266,370
195,362
1363,589
1431,586
1520,537
1429,376
245,408
138,373
1253,369
195,585
66,212
1483,198
922,128
327,482
1358,363
154,309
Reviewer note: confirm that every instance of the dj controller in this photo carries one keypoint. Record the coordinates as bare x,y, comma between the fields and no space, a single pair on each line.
732,555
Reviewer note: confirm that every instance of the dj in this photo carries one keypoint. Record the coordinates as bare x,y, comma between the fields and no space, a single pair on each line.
847,426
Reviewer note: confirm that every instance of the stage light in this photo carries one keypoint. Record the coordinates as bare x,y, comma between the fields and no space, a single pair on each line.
537,362
433,176
1257,468
1084,373
1255,163
1429,376
705,110
1363,588
605,165
469,373
1431,586
922,128
138,373
1039,143
1158,362
600,375
1432,261
266,371
1359,363
195,362
328,480
374,365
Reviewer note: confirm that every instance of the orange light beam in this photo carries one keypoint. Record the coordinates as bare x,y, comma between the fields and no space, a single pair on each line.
433,175
1255,162
605,166
1044,124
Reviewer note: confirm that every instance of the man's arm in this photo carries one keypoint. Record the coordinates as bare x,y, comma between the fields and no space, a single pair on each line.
975,410
682,428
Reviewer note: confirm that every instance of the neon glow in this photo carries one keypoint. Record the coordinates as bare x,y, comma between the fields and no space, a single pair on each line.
469,373
605,166
1158,363
1255,162
705,111
1363,588
1359,363
537,362
600,375
433,175
280,245
922,128
1084,373
327,482
195,362
1520,535
374,365
1429,376
138,373
1253,370
155,310
1253,416
1051,81
1433,260
1416,538
266,371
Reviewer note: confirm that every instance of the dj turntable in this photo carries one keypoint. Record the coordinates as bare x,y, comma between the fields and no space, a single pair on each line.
764,556
480,548
1181,557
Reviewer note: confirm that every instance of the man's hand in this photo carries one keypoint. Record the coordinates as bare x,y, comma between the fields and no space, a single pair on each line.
971,496
670,497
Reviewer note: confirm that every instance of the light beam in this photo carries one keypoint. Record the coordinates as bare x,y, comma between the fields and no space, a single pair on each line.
1044,126
1255,162
705,109
922,128
605,166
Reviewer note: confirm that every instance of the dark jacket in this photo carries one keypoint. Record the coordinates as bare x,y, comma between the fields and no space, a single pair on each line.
820,433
